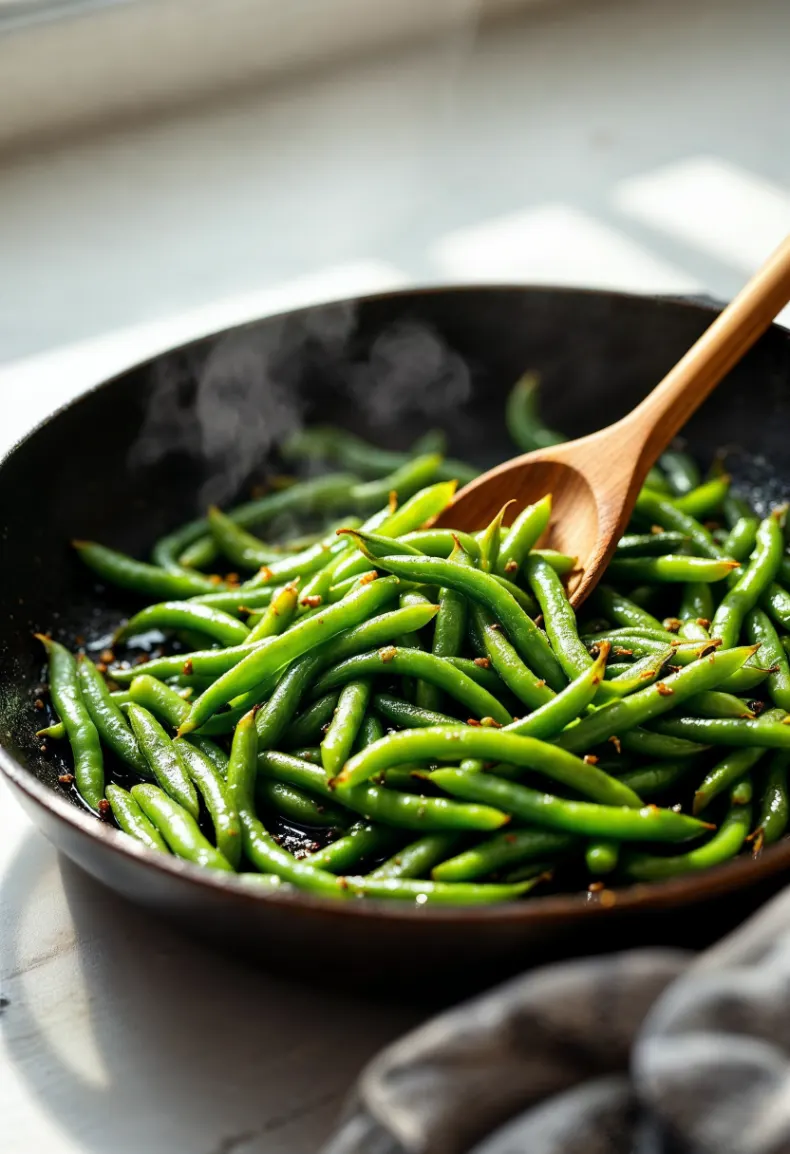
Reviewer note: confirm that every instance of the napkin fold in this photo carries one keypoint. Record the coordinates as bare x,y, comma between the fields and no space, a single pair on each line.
649,1051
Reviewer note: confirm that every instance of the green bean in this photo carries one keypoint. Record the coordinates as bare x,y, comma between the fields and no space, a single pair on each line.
728,731
651,781
656,480
361,842
602,856
648,744
448,635
273,718
210,783
751,584
744,679
742,538
272,655
302,564
550,719
501,850
522,420
714,703
648,544
617,717
397,661
168,705
523,535
178,827
106,715
64,688
338,446
579,817
681,471
311,753
164,761
489,540
776,602
508,665
624,636
723,845
417,859
559,618
278,615
131,819
482,674
260,848
215,623
149,580
320,494
484,589
663,511
622,611
410,477
734,508
407,715
451,743
371,730
299,806
771,655
705,499
643,672
695,611
167,551
237,544
436,542
404,810
671,567
724,774
345,725
309,725
742,792
775,803
436,893
236,600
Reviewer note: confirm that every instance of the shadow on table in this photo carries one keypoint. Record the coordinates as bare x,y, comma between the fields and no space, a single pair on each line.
139,1039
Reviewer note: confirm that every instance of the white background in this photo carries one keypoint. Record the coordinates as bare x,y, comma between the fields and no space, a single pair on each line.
635,145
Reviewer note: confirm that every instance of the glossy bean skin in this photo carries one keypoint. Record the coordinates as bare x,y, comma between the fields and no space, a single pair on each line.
273,718
390,807
131,819
775,801
345,725
654,780
714,703
525,685
238,544
236,601
410,477
646,743
178,828
395,660
724,775
621,611
727,731
417,859
617,717
658,510
696,611
308,726
408,716
577,817
64,689
522,536
363,841
558,616
602,857
754,580
278,615
105,712
163,760
648,544
139,577
276,652
501,850
168,705
771,655
299,806
681,471
211,785
448,636
436,893
260,848
724,844
452,743
705,499
320,494
484,589
215,623
677,567
742,538
524,425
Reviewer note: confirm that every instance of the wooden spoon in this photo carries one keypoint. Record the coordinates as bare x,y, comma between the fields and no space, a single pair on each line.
594,481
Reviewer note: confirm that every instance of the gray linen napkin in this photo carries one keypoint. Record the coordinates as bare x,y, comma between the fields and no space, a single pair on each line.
645,1052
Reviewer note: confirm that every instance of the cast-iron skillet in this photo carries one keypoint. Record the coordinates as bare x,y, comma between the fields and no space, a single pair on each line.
150,448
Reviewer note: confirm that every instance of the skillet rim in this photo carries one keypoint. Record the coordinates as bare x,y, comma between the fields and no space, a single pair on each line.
740,873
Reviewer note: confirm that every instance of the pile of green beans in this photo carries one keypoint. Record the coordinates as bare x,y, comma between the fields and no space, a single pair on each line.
388,710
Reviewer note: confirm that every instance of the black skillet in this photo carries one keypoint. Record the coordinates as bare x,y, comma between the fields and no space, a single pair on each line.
138,455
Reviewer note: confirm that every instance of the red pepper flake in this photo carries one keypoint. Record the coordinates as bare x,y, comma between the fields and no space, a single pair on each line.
620,652
392,501
510,837
141,659
366,578
473,722
483,662
107,656
232,579
65,778
101,667
656,529
312,601
215,579
590,759
672,624
104,810
615,741
704,622
342,883
265,573
489,723
495,627
38,703
388,654
607,899
595,887
511,566
187,668
664,689
540,683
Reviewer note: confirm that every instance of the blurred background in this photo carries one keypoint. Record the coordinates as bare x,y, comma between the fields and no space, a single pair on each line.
169,167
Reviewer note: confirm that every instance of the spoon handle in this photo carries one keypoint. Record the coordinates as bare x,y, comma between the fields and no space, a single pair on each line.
667,408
